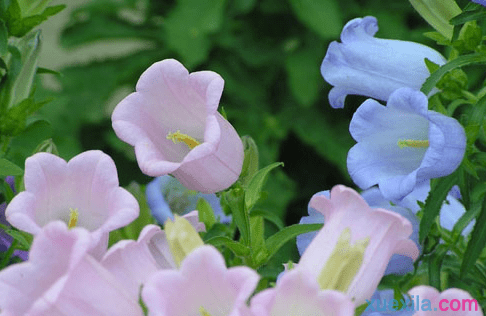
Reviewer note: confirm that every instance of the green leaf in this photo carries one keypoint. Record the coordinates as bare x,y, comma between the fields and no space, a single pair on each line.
188,26
250,161
435,264
269,216
431,82
3,38
468,16
236,247
8,168
258,250
304,77
41,70
254,188
438,38
234,199
476,242
276,241
431,66
465,219
206,213
434,201
20,27
323,17
24,239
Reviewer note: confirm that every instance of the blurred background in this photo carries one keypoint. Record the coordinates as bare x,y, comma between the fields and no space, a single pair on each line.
269,53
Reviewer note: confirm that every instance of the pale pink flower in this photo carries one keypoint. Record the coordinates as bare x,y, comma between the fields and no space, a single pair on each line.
134,262
86,186
298,293
202,285
356,243
427,301
173,123
61,279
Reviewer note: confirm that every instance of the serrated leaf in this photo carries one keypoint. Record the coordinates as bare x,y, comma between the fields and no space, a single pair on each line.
276,241
8,168
238,248
476,243
324,17
433,203
254,188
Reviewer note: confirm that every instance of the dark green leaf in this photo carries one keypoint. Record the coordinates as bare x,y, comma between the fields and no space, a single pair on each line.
323,17
276,241
41,70
468,16
235,201
21,27
434,201
269,216
236,247
3,38
431,82
476,243
24,239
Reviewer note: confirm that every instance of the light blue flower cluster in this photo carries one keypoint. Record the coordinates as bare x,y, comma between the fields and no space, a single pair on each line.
400,145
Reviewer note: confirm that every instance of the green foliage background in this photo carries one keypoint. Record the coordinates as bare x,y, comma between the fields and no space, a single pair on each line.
269,53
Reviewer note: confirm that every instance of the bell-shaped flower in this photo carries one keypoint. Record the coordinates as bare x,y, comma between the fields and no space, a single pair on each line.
62,279
83,192
373,67
398,264
402,144
298,293
134,262
427,301
173,123
202,286
351,252
166,196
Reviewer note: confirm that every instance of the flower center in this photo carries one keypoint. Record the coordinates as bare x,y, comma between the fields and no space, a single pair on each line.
73,217
179,137
203,312
413,143
343,264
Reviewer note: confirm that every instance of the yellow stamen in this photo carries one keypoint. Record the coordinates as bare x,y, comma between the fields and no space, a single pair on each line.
343,264
203,311
73,217
178,137
413,143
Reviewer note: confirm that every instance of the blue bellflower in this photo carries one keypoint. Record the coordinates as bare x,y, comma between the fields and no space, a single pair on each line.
402,144
373,67
166,196
481,2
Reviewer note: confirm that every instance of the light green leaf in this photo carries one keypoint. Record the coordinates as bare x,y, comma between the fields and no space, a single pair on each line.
206,213
276,241
8,168
236,247
254,188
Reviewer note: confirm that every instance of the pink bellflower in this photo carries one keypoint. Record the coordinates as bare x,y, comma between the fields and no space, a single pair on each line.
62,279
202,286
351,252
83,192
173,123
